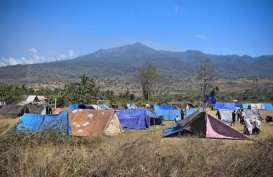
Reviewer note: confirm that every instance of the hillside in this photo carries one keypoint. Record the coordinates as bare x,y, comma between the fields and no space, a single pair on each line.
126,60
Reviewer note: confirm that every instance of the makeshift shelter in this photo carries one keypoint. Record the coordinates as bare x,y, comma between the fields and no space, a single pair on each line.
226,115
245,105
12,110
73,106
137,118
168,112
131,106
252,126
259,106
35,109
190,111
238,105
268,106
38,122
87,122
222,105
204,125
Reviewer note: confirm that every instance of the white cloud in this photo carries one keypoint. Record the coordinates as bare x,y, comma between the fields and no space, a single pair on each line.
71,53
202,37
35,57
33,50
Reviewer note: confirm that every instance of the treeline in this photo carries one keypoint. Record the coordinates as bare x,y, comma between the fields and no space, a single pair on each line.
86,91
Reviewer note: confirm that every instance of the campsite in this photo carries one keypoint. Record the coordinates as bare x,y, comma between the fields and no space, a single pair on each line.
136,88
137,151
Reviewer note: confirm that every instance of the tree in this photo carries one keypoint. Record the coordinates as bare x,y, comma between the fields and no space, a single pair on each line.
149,76
206,73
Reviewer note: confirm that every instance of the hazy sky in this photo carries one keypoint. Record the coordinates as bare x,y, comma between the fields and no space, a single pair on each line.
47,30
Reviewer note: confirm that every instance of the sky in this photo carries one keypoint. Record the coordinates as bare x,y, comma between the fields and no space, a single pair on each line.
35,31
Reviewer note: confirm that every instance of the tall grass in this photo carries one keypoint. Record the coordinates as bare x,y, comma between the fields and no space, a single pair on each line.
52,154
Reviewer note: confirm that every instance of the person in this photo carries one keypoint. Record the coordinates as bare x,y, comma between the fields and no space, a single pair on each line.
218,115
48,110
242,117
176,119
233,118
238,115
182,114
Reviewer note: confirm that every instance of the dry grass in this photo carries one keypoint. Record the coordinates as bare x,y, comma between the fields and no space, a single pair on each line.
134,153
6,123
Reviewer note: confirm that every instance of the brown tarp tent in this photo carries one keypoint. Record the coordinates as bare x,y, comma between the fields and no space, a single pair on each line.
13,110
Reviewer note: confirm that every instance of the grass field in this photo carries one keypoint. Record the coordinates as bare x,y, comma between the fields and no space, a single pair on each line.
135,153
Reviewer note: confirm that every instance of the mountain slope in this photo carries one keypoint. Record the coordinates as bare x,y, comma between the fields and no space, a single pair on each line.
126,60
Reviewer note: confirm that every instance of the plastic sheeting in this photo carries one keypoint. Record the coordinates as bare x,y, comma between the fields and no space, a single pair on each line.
131,106
168,112
245,105
268,106
73,106
38,122
222,105
250,125
135,118
226,115
189,112
203,124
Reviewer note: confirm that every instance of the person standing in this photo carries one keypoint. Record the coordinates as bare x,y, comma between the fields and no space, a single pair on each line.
238,115
233,118
218,115
242,117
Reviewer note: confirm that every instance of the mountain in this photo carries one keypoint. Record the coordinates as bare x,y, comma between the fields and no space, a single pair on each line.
127,59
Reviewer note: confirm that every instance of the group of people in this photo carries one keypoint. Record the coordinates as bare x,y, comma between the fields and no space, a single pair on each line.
240,114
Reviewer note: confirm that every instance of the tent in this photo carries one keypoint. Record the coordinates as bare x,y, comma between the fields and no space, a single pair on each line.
168,112
238,105
88,122
136,118
260,106
245,105
252,126
222,105
226,115
12,110
35,109
204,125
38,122
190,111
268,106
131,106
73,106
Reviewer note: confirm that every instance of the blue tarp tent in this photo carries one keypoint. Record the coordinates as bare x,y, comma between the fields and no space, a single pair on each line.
245,105
135,118
268,106
168,112
222,105
38,122
188,112
73,106
238,105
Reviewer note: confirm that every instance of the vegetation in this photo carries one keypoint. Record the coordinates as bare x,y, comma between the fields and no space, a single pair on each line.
148,76
52,154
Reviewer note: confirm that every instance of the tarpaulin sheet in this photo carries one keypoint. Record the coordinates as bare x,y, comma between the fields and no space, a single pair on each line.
38,122
222,105
268,106
135,118
168,112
